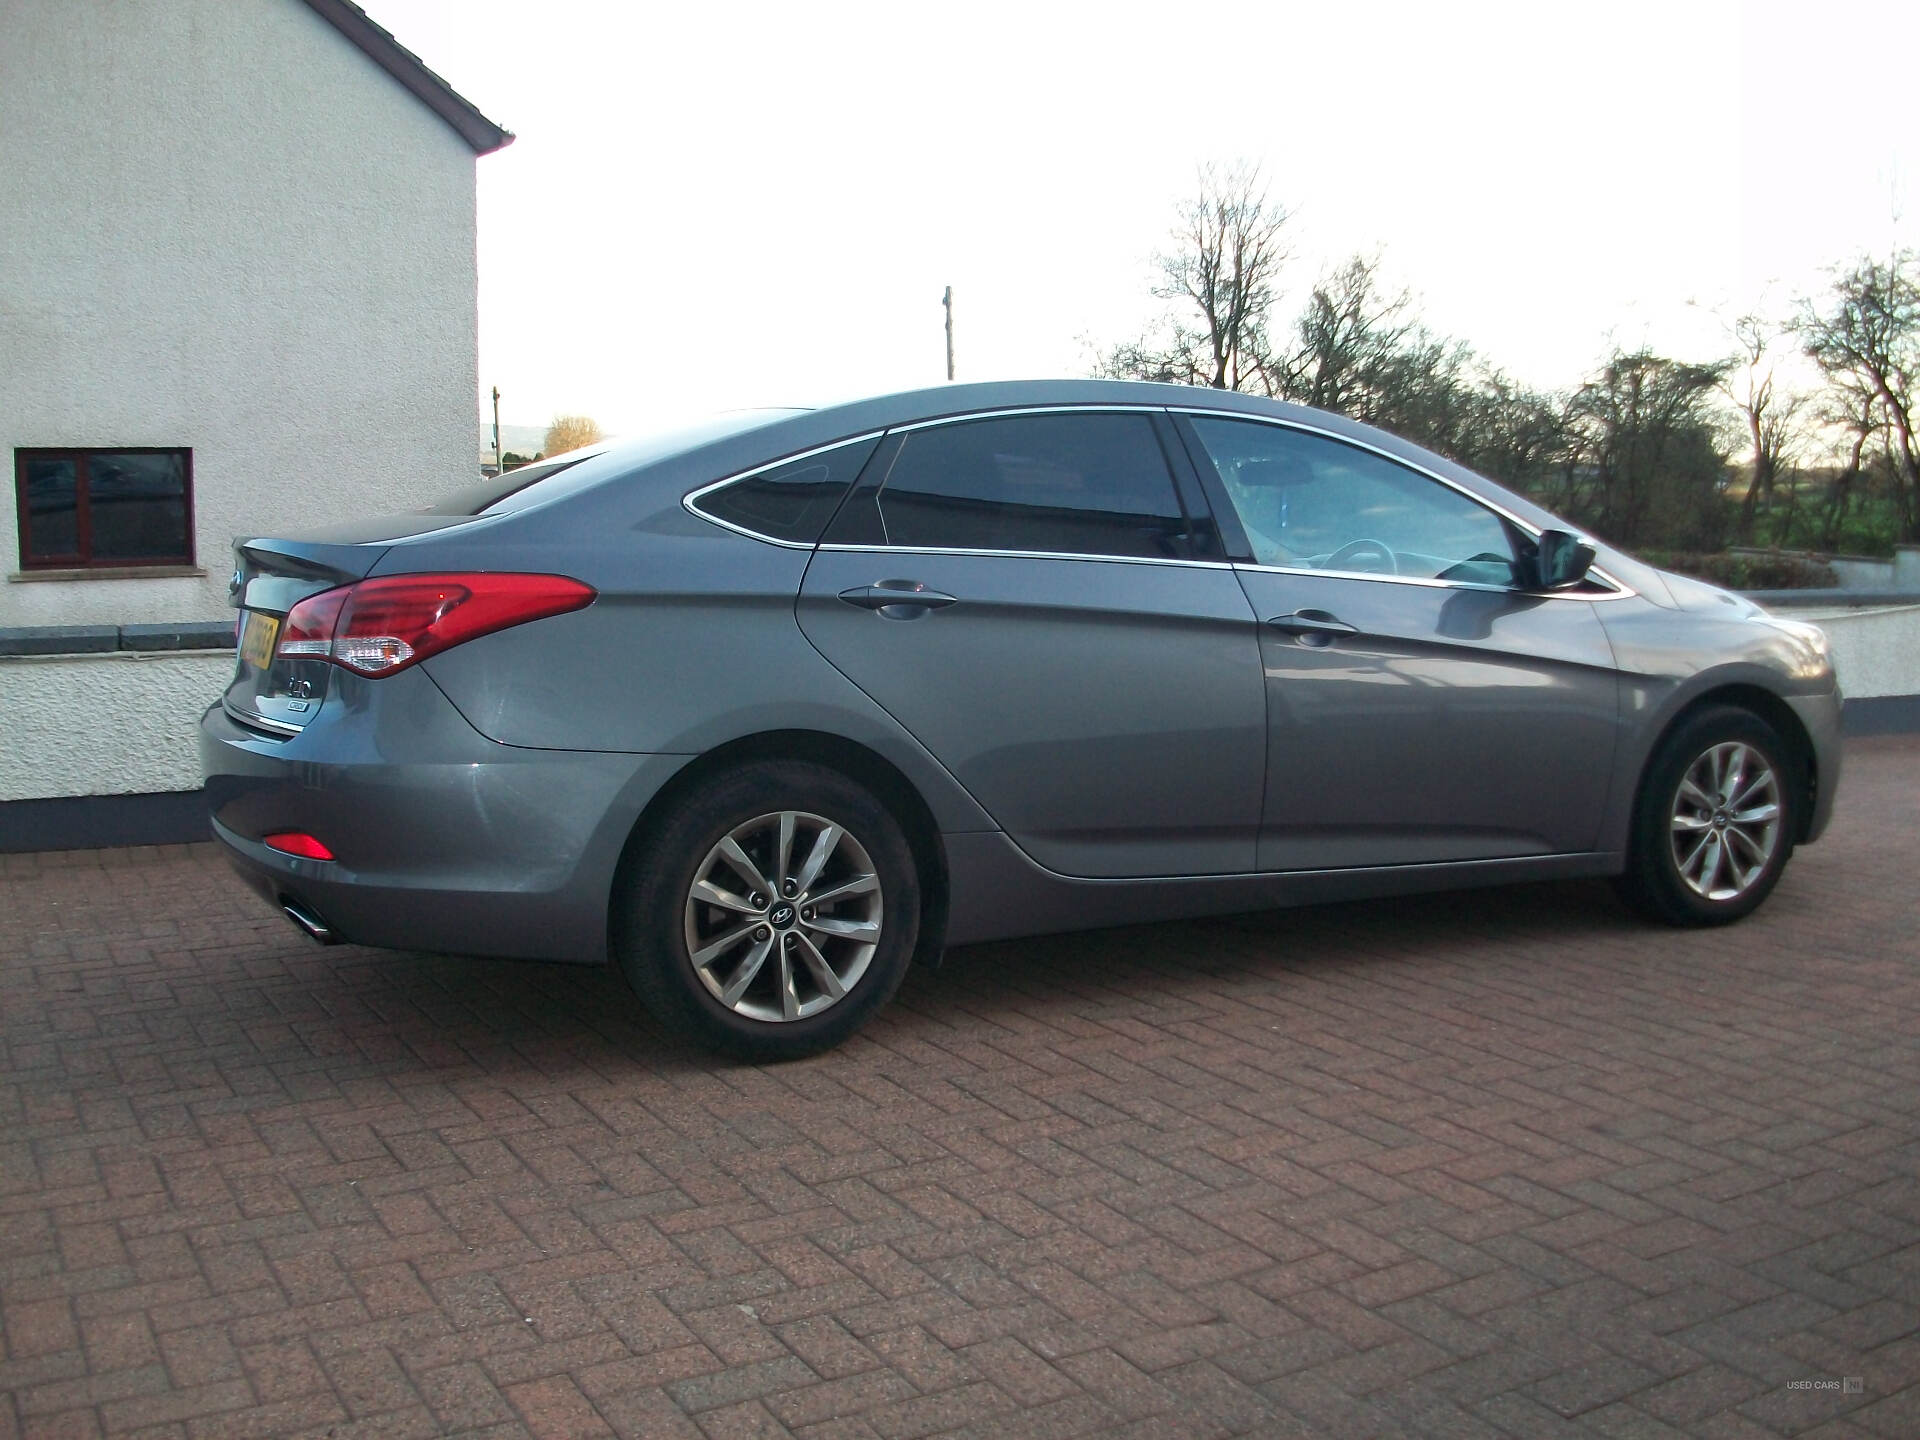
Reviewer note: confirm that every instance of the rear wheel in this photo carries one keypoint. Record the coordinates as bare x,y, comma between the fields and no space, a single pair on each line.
772,913
1714,824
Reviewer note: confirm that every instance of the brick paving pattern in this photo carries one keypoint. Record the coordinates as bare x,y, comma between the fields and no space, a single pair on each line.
1500,1164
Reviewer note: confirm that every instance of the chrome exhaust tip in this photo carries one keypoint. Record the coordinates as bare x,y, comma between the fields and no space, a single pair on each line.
314,927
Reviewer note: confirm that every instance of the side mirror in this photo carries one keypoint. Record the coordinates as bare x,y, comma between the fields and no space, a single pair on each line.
1561,560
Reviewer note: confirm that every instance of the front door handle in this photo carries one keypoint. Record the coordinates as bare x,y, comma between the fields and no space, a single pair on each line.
1312,622
897,599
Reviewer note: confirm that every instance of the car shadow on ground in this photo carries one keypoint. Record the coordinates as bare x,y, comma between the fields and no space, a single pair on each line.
500,1015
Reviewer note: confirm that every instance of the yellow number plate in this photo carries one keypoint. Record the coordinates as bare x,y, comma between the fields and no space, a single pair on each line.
256,641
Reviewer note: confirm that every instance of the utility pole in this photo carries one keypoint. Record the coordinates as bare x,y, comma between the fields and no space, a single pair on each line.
498,467
947,300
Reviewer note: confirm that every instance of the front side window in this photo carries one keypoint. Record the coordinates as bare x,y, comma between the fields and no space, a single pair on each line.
1093,483
104,508
1310,502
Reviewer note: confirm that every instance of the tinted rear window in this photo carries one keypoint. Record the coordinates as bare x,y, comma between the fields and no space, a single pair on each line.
1078,484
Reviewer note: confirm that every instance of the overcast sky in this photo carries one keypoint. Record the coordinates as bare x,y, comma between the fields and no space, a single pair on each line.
720,205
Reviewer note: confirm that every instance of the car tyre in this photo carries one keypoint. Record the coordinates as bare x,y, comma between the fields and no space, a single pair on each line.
1715,820
757,953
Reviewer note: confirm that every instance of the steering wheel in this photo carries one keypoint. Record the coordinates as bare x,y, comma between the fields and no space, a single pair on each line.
1353,549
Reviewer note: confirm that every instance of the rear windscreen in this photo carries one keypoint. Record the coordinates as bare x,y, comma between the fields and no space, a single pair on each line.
546,480
478,499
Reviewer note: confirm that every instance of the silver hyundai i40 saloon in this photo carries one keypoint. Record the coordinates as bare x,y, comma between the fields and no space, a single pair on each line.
766,709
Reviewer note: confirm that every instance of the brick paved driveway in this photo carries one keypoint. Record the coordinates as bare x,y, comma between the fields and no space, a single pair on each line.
1501,1164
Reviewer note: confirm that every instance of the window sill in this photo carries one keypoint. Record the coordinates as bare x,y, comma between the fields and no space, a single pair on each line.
110,572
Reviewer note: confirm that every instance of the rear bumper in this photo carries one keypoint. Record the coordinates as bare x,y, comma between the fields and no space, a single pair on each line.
445,840
359,909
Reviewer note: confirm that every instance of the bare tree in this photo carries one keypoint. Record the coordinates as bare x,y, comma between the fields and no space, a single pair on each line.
1850,416
1347,332
1361,350
1638,453
1515,434
570,432
1867,343
1771,415
1222,275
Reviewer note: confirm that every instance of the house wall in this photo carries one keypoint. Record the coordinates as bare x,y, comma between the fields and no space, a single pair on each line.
155,701
225,227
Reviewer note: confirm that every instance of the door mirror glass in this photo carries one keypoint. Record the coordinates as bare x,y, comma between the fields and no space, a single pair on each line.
1561,560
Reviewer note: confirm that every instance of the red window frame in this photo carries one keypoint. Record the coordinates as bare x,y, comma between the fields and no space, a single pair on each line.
81,558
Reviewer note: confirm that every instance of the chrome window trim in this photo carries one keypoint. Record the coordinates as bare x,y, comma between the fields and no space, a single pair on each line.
688,500
1024,555
1431,582
1097,408
1620,591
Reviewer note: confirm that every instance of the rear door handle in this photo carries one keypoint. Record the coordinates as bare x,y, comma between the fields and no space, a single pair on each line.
897,599
1312,622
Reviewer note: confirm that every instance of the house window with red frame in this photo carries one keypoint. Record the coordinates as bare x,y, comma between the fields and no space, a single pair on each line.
101,509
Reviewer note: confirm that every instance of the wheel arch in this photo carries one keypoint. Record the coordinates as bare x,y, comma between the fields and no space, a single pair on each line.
1776,714
858,763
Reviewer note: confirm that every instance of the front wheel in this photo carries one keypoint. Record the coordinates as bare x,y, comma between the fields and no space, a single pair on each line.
772,913
1715,821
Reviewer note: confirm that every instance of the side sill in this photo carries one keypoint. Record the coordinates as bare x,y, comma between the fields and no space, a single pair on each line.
999,894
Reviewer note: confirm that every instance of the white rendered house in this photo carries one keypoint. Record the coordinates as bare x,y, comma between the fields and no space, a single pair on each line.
237,294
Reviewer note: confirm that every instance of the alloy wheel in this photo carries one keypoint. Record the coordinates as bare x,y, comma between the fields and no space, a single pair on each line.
783,916
1725,821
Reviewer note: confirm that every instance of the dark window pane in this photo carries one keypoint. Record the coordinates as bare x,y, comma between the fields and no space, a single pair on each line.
1078,484
53,530
1308,502
793,501
137,504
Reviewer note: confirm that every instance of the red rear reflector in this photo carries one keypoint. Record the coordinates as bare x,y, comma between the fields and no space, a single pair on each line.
297,842
381,626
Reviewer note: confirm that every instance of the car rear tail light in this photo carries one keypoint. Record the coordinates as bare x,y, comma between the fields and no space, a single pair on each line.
297,842
378,627
307,632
